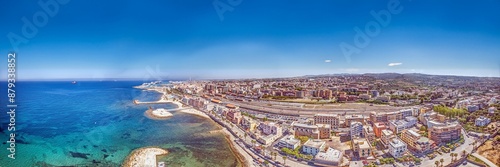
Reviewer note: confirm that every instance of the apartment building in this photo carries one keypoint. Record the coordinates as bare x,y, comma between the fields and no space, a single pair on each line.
416,142
331,119
311,131
377,128
445,133
356,129
361,147
397,148
354,118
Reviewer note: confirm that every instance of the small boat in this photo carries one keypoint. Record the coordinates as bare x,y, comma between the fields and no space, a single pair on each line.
74,82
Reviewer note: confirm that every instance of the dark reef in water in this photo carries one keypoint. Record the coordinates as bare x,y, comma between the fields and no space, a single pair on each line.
79,155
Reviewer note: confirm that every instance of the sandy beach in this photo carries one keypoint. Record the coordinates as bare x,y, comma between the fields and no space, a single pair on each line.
194,112
144,157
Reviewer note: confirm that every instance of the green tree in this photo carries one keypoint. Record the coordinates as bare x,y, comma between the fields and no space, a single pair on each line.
284,160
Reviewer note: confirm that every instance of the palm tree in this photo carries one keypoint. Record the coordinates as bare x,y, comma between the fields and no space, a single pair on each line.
463,153
437,163
441,160
451,155
284,160
275,154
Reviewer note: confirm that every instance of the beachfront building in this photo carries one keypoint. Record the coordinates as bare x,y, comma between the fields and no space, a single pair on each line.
313,146
330,157
267,139
234,116
331,119
289,141
361,147
270,128
482,121
311,131
387,135
445,133
356,129
248,124
396,147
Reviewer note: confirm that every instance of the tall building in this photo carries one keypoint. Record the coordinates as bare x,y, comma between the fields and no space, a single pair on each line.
356,129
354,118
331,119
387,135
377,128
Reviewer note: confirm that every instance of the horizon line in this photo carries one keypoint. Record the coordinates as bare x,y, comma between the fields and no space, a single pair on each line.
196,78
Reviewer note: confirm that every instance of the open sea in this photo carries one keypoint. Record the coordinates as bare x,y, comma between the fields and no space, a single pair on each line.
95,123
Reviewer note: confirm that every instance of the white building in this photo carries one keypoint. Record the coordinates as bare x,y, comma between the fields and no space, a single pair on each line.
491,110
482,121
313,146
397,125
411,121
289,142
356,129
271,128
397,148
331,157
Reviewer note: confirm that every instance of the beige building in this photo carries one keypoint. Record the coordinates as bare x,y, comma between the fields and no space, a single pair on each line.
311,131
387,135
361,147
354,118
416,142
445,133
331,119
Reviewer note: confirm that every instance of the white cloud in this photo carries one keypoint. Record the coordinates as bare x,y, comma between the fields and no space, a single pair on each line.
328,61
394,64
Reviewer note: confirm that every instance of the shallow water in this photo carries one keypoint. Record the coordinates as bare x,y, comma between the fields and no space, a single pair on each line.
96,123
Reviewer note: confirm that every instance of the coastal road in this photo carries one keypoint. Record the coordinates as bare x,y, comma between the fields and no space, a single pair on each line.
248,140
467,146
485,160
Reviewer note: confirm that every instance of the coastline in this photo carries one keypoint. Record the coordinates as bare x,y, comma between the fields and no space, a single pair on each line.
232,145
144,157
238,152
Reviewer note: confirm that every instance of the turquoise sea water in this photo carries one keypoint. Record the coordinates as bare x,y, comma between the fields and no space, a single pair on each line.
96,124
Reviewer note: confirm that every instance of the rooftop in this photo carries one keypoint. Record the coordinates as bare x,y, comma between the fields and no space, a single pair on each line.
395,142
315,143
330,155
362,143
304,125
387,132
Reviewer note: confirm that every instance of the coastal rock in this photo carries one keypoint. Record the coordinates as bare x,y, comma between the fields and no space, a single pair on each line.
79,155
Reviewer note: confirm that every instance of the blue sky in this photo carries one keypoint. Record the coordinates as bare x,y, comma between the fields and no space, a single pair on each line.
180,39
